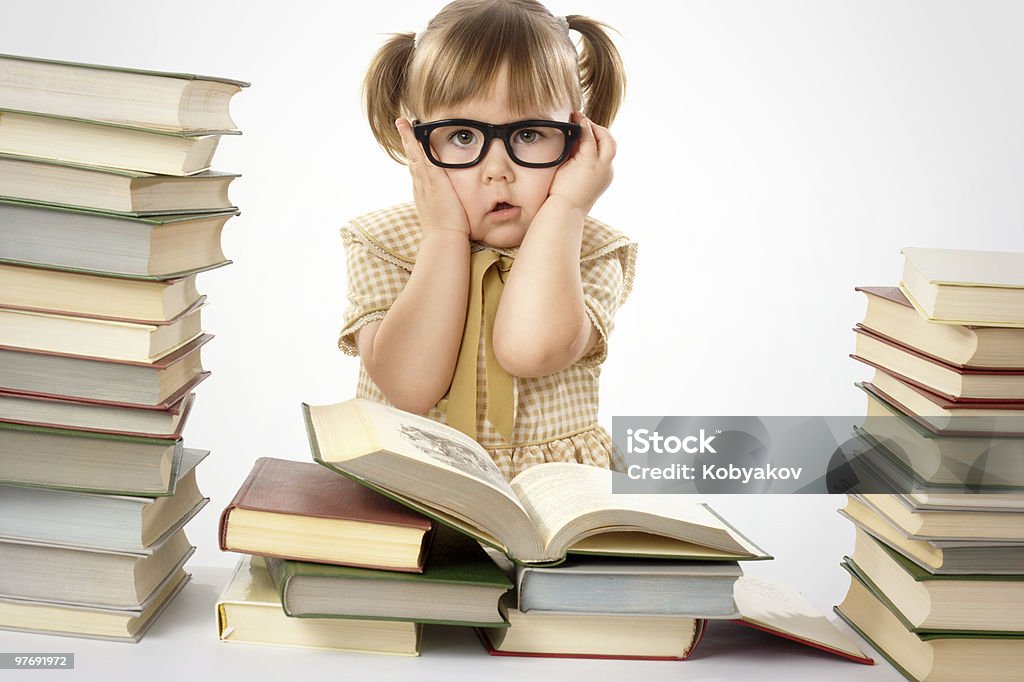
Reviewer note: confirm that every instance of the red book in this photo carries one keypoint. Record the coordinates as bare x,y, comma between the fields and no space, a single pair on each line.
305,512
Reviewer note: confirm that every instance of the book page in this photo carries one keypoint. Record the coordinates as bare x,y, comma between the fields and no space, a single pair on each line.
425,440
782,610
358,428
556,495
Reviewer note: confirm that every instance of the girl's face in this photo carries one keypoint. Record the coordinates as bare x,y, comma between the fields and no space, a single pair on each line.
500,197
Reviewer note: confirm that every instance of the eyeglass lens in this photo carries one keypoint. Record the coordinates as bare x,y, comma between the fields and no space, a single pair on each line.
458,144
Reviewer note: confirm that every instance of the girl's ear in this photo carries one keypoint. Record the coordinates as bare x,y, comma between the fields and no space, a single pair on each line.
602,74
384,91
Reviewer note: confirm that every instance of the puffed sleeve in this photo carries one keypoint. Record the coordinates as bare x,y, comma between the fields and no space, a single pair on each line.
374,282
607,278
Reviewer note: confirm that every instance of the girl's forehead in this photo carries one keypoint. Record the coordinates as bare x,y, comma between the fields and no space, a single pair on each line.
499,104
499,111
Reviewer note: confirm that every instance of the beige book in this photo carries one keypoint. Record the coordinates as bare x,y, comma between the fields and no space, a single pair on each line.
891,315
104,144
957,286
945,557
95,296
77,621
931,658
90,577
98,338
549,633
112,189
945,415
974,525
938,377
158,99
249,611
930,602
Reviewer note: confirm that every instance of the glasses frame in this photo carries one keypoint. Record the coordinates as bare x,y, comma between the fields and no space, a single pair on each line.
491,132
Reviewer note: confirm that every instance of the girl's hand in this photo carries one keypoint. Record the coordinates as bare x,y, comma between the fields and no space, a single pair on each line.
437,203
588,172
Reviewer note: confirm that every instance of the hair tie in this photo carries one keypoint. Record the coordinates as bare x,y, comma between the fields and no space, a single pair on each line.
563,22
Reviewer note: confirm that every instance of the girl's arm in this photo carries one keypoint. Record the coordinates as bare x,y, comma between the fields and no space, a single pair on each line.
542,324
411,353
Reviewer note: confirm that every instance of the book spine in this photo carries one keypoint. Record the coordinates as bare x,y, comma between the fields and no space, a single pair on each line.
237,501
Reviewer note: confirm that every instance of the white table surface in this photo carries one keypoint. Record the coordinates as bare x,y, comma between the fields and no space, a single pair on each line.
183,644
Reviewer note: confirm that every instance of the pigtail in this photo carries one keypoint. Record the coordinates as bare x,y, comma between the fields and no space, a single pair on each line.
384,91
602,75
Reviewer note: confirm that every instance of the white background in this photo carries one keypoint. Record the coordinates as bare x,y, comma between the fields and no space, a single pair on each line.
772,156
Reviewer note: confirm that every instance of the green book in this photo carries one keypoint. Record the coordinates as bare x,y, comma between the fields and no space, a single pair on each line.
890,598
930,656
81,240
460,585
86,461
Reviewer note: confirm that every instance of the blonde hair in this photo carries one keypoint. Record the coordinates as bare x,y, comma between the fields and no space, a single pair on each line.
460,53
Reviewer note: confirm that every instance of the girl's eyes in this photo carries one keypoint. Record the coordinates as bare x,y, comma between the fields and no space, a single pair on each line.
463,138
527,136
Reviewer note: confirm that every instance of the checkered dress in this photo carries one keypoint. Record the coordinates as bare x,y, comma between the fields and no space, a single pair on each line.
555,415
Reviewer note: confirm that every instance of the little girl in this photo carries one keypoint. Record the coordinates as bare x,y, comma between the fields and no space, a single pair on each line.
487,303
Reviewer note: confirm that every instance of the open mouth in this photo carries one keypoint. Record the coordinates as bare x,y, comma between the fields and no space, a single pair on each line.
501,206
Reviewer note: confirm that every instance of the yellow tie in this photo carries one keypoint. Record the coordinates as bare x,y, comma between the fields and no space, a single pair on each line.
485,285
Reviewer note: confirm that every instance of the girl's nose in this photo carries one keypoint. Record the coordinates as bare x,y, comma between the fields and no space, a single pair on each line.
496,163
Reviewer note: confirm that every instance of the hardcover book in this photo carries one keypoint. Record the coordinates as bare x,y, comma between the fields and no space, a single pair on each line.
939,557
586,635
110,145
944,603
158,99
88,462
154,247
931,657
121,625
113,523
630,587
942,415
459,585
112,298
64,413
976,459
249,612
96,337
161,383
544,512
954,383
302,511
90,578
965,287
112,189
891,315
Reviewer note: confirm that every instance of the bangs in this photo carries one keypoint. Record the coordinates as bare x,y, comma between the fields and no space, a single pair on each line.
462,61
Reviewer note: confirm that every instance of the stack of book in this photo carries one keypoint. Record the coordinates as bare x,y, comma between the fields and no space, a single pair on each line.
334,565
598,574
108,213
938,565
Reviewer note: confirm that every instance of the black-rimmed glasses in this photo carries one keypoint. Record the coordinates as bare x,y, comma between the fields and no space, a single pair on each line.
461,142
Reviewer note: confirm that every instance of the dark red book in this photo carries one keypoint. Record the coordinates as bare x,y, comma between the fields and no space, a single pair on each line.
305,512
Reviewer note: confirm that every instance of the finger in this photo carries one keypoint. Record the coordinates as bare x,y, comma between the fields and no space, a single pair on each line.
409,143
606,145
588,144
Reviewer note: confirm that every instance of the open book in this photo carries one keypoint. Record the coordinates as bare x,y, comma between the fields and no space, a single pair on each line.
544,512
